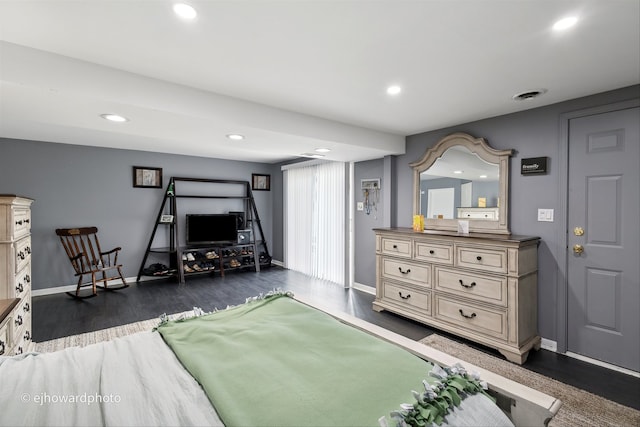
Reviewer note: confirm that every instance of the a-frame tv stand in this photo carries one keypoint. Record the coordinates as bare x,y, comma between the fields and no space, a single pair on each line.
249,252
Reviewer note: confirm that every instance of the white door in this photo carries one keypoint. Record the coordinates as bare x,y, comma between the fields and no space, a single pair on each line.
603,305
440,203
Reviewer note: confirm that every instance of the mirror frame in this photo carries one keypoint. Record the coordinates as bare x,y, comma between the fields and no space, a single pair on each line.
480,147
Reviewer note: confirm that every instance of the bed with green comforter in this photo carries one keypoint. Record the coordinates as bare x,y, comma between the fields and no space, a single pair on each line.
277,362
273,361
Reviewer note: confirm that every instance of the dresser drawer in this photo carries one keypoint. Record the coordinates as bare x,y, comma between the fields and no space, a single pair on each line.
24,308
21,222
4,337
407,272
479,319
396,247
482,258
434,252
23,253
23,282
410,298
472,285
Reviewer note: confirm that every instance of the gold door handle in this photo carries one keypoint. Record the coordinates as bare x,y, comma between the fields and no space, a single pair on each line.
578,249
578,231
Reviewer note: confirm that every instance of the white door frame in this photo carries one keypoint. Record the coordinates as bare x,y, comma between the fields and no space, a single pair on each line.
563,225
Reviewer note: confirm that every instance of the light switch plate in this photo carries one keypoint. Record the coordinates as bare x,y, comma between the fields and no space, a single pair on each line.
360,206
545,215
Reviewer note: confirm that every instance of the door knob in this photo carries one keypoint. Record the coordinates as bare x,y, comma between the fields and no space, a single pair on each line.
578,249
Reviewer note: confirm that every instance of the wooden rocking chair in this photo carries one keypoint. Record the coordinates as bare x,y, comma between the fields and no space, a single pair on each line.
83,249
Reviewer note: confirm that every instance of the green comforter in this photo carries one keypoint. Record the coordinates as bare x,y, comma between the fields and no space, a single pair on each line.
278,362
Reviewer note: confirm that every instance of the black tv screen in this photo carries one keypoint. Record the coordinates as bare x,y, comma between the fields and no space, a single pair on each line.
205,229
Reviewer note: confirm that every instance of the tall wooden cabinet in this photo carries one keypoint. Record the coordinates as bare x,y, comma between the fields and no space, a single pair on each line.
15,274
479,286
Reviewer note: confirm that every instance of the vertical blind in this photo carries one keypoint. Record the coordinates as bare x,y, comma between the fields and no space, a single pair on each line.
315,220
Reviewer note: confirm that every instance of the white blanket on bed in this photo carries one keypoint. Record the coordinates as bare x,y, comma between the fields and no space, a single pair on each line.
130,381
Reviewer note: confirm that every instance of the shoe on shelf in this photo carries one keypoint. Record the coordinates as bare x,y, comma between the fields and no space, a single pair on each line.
187,269
190,257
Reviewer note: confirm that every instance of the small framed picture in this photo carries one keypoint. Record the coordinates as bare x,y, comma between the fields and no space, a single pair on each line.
260,182
166,219
147,177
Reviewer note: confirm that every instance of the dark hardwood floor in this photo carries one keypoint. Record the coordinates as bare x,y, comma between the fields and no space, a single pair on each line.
59,315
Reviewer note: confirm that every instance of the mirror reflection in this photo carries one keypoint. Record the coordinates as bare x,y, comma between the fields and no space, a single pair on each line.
460,185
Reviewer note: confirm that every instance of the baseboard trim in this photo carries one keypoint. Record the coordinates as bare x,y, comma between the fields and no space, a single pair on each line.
551,345
72,288
548,344
278,263
603,364
364,288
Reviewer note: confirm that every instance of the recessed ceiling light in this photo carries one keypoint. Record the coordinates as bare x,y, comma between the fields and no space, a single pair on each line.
322,150
528,94
185,11
394,90
483,176
314,155
458,172
235,136
114,118
565,23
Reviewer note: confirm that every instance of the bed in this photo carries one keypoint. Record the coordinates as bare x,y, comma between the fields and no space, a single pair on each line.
275,360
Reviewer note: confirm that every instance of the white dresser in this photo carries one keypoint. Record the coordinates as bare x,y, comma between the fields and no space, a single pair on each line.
482,287
15,274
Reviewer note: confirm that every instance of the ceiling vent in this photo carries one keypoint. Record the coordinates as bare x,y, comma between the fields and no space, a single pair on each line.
529,94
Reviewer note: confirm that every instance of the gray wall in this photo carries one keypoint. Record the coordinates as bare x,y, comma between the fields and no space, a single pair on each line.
83,186
532,133
364,262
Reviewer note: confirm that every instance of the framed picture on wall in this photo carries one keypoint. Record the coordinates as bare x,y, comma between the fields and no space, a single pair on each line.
260,182
147,177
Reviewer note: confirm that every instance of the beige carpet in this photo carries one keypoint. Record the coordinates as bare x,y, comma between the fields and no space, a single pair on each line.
579,408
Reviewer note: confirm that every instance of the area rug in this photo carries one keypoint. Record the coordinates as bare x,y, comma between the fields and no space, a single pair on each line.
88,338
579,407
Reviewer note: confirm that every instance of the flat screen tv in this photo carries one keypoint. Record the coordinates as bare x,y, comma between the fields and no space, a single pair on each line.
204,229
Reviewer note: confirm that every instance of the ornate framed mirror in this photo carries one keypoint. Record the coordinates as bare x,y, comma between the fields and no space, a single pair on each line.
462,178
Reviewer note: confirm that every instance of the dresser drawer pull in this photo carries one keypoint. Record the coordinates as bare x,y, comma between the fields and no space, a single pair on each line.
18,320
27,278
404,296
21,255
27,307
27,250
19,350
2,347
479,258
19,222
19,288
467,286
395,246
431,251
27,336
467,316
404,272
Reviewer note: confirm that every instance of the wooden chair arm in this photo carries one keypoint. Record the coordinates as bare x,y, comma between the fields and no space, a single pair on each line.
111,251
77,257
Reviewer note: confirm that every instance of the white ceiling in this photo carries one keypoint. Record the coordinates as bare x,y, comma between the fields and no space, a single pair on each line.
293,76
